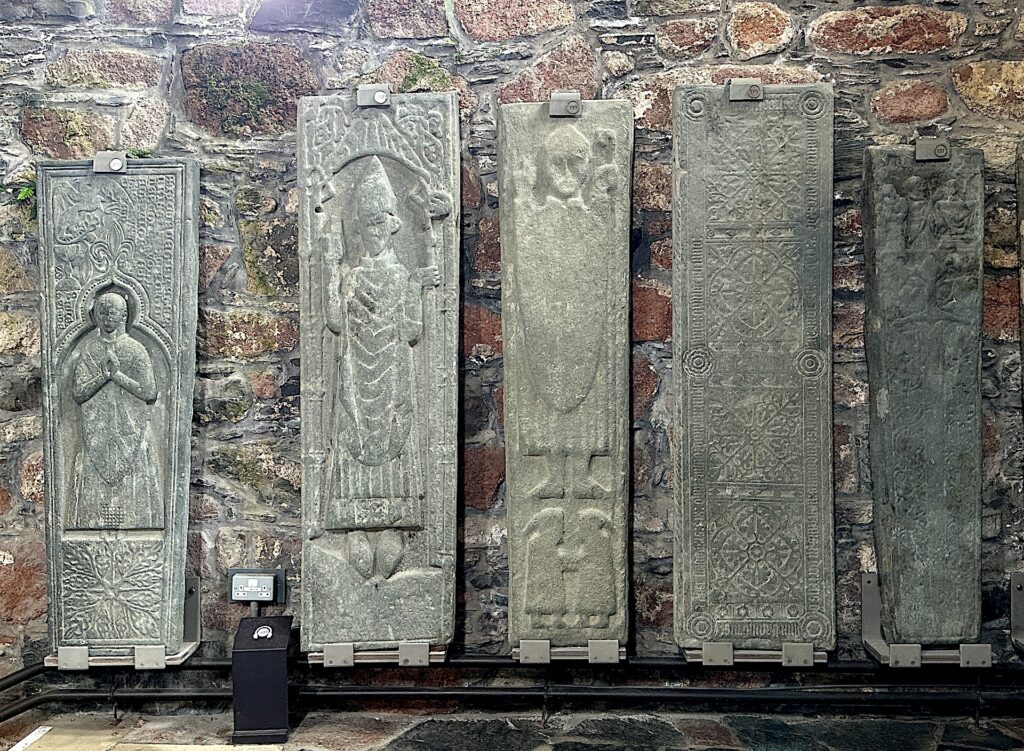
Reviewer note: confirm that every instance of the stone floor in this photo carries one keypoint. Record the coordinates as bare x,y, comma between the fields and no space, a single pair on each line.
522,732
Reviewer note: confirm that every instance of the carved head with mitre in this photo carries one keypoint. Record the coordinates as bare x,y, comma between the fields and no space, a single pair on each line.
377,209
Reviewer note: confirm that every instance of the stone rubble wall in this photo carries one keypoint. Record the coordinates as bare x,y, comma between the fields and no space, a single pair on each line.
218,80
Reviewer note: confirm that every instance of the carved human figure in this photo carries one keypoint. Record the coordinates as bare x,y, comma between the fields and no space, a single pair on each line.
573,184
595,564
116,481
545,567
374,308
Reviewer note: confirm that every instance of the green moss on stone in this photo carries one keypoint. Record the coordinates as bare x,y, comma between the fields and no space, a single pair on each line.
425,74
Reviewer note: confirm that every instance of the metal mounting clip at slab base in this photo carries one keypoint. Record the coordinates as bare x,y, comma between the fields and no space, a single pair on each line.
910,655
1017,610
597,652
723,654
409,654
142,657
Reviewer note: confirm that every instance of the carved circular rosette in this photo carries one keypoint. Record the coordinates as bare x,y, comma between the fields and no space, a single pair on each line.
813,104
810,363
700,626
695,105
697,362
814,626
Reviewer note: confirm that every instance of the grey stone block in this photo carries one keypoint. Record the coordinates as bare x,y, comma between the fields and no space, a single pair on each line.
923,248
752,293
379,278
565,216
119,267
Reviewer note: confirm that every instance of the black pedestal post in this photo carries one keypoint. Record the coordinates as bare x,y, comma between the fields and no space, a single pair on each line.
259,670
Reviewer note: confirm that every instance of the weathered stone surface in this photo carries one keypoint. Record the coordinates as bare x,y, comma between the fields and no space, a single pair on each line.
13,277
270,249
379,255
1001,319
652,311
483,471
22,580
64,133
29,10
400,19
752,366
244,89
211,260
672,7
498,20
759,28
651,96
923,249
481,333
570,65
19,334
139,12
104,68
410,72
244,336
145,124
686,38
992,87
909,102
877,29
119,265
308,15
652,186
565,280
212,7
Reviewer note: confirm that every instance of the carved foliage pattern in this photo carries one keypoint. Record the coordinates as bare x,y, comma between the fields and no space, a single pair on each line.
752,304
113,591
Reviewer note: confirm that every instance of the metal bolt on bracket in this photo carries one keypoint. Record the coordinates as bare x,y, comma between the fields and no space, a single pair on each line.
745,89
565,104
373,95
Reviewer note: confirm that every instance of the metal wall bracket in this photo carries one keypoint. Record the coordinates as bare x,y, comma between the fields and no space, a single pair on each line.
745,90
928,149
565,104
797,654
414,653
716,653
150,657
339,655
910,655
345,655
373,95
534,651
142,657
110,161
792,655
72,658
603,651
1017,610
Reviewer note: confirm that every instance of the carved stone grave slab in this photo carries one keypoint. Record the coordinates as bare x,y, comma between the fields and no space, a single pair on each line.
752,362
119,265
565,217
923,247
379,274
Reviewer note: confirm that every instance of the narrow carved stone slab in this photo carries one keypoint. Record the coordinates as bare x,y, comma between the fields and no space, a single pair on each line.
565,214
923,246
119,261
379,265
752,361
